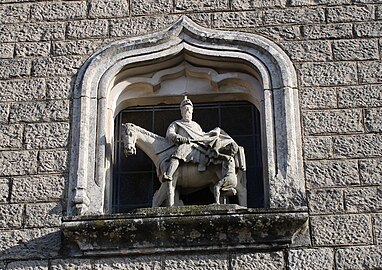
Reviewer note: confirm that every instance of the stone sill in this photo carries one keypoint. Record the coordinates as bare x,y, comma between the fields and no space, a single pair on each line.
186,228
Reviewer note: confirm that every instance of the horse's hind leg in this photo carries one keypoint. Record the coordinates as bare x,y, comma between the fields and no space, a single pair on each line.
160,195
171,192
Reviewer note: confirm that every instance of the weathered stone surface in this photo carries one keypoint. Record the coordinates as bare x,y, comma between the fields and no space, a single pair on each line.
142,263
202,5
21,90
368,257
76,47
108,9
139,25
32,49
197,262
331,173
266,261
318,2
56,66
202,19
33,243
373,120
11,136
18,163
46,135
4,113
11,216
318,98
350,13
248,4
370,72
355,50
311,259
360,96
76,264
308,50
36,32
325,201
317,147
237,19
151,7
28,265
370,29
53,161
43,215
327,31
328,74
88,29
341,230
58,88
54,110
52,11
358,146
6,50
377,225
37,188
332,122
363,200
14,68
4,190
278,33
294,16
371,171
14,13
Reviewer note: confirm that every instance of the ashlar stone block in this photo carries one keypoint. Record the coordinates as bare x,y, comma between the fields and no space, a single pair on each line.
202,5
311,259
332,122
28,265
317,147
328,74
4,113
197,262
34,49
71,264
361,200
339,230
266,261
327,31
152,7
28,244
358,146
56,66
53,11
318,98
373,120
6,50
36,32
18,163
278,33
43,215
345,50
248,4
19,90
88,29
371,171
294,16
334,173
325,201
109,9
369,29
14,68
47,135
363,257
370,72
318,2
237,19
308,50
53,161
11,136
37,188
143,263
360,96
11,216
350,14
4,190
76,47
377,225
59,87
11,13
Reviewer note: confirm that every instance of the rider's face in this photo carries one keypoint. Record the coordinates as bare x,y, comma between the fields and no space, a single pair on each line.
187,113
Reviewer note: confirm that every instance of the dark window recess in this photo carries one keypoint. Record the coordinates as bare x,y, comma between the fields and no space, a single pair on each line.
135,179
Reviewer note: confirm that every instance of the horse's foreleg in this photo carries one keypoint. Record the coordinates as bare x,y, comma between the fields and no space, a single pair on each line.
171,192
159,196
217,187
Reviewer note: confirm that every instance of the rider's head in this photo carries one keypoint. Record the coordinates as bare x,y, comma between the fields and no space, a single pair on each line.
186,109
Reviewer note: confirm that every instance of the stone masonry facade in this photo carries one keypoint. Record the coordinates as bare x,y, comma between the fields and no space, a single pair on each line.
336,48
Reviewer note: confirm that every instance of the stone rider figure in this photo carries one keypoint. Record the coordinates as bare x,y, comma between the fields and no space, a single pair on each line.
194,145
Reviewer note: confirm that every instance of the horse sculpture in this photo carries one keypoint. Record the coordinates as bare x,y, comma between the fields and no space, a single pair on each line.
187,178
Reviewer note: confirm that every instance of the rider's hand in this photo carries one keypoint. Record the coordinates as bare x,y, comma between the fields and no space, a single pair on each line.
182,140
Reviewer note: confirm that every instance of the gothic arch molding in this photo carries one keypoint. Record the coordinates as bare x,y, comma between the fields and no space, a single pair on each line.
185,42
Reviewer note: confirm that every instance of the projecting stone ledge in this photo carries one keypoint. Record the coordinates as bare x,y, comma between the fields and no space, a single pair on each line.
185,228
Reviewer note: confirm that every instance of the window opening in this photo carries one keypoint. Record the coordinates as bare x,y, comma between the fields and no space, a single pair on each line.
135,179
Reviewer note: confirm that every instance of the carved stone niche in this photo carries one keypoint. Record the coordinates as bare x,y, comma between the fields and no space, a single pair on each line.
208,65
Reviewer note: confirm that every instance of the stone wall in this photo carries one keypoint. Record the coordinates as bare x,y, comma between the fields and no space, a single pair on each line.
336,49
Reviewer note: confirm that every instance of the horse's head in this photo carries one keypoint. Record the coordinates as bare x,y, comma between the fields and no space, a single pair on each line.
129,138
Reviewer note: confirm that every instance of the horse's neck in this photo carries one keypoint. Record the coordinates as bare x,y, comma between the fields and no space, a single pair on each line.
151,146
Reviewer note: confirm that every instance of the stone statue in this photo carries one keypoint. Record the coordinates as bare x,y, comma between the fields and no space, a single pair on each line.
189,159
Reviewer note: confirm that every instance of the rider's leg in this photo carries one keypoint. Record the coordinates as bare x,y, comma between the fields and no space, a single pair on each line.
174,164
